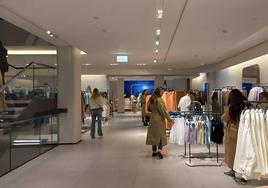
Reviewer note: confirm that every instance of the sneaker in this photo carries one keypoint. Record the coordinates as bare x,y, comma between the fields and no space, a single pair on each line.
160,155
243,181
154,154
230,173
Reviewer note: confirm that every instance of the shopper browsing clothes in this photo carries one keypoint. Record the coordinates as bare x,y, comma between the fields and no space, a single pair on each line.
156,135
185,101
95,105
232,116
145,117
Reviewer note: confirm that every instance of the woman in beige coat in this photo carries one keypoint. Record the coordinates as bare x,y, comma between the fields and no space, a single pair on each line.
156,135
232,116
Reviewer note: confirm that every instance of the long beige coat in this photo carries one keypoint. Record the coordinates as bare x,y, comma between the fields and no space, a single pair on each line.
143,105
157,126
231,132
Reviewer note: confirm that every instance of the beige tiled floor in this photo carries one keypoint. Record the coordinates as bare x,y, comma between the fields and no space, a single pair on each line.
119,160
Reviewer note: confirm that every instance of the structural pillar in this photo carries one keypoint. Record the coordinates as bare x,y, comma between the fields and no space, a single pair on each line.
159,81
69,94
120,95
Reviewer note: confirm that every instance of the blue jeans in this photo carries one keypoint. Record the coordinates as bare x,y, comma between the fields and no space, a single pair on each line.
96,115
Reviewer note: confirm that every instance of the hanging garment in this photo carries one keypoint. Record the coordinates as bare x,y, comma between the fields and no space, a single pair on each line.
200,132
217,132
177,131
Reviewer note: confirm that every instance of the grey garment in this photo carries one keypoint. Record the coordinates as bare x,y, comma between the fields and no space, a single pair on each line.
96,115
263,105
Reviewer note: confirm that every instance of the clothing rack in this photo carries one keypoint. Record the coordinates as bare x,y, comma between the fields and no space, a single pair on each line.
189,163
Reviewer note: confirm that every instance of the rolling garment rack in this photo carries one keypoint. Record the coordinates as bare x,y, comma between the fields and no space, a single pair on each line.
190,156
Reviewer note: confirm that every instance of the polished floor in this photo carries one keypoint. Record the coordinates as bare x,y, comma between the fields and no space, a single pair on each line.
118,160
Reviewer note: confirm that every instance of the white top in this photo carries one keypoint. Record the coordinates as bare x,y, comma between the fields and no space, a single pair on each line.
95,104
184,102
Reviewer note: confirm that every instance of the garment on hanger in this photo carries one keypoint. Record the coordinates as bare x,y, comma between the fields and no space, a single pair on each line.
251,158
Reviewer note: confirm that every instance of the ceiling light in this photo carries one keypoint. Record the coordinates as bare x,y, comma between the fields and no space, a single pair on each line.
169,69
48,32
158,32
157,43
55,64
159,14
114,64
32,52
82,52
141,64
87,64
51,35
156,51
155,61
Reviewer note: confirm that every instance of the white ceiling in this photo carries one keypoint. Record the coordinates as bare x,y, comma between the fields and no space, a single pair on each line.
208,32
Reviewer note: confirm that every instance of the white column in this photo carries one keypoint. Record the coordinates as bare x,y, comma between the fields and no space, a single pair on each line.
69,93
159,81
120,95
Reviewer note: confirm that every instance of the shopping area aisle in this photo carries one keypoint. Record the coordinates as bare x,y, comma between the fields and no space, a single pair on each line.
119,160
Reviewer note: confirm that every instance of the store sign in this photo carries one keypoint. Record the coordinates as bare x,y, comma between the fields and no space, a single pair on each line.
122,59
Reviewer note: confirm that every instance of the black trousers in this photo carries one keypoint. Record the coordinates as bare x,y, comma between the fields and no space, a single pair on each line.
160,147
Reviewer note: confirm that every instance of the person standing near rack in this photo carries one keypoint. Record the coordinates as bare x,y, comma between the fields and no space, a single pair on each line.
95,105
185,101
231,116
156,135
145,118
216,107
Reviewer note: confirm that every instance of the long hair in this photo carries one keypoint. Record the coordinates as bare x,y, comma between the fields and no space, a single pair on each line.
95,93
236,104
215,96
156,94
143,92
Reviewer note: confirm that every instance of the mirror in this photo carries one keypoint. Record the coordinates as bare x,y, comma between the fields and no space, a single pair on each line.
250,77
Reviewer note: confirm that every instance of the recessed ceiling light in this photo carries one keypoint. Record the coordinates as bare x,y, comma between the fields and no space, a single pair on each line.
156,51
159,14
155,61
157,43
114,64
87,64
158,32
48,32
55,64
51,35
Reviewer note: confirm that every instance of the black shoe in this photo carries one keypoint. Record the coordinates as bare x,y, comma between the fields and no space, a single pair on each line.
243,181
154,154
230,173
159,154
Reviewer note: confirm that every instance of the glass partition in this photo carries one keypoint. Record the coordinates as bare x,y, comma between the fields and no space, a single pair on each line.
24,140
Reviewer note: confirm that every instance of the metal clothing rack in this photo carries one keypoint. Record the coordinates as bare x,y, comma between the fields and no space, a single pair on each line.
189,156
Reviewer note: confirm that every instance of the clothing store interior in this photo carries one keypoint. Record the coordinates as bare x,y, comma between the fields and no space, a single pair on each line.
151,93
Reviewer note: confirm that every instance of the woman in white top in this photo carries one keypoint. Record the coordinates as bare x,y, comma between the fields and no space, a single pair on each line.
95,105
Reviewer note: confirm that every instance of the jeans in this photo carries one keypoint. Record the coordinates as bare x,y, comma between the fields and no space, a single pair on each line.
96,115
